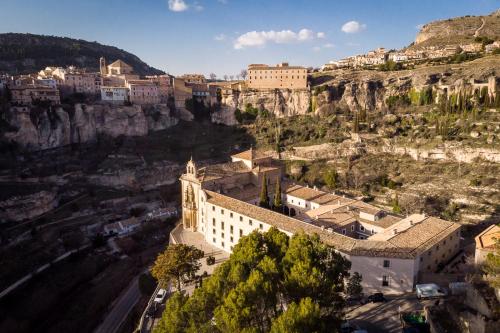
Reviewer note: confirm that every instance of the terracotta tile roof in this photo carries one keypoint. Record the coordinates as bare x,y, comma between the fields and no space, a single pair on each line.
486,239
407,244
250,155
222,170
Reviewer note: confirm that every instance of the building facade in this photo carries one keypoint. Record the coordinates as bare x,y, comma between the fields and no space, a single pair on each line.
143,92
281,76
220,202
115,95
31,94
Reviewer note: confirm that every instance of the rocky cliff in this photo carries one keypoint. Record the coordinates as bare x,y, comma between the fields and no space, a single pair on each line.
354,90
369,89
280,102
38,129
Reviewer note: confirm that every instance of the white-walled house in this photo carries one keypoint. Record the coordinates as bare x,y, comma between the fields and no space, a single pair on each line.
387,250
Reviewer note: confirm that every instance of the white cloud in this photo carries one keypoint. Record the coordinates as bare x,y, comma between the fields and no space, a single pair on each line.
352,27
220,37
177,5
322,47
261,38
197,6
321,35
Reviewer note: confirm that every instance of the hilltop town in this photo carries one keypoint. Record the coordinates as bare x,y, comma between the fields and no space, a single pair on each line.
368,185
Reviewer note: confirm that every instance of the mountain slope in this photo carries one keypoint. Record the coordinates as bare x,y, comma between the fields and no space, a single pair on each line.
24,53
459,30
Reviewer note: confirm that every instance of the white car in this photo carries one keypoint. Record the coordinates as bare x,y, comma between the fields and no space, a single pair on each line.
160,296
430,290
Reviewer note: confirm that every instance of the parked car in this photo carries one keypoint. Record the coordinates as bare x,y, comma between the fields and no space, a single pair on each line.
355,300
430,290
160,296
377,298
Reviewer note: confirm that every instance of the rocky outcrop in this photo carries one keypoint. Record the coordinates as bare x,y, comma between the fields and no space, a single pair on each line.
18,208
138,176
36,129
280,102
370,89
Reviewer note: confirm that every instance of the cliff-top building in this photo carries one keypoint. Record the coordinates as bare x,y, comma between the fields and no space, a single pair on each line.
389,251
281,76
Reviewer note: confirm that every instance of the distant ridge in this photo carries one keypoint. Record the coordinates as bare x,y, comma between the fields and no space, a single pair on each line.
25,53
458,30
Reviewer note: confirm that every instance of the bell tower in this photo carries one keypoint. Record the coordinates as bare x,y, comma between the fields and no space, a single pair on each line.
189,203
102,66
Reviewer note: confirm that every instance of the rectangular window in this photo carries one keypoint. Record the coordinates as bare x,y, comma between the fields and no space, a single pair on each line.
387,263
214,240
222,211
222,234
241,233
231,214
222,225
232,240
385,281
213,208
343,231
250,222
231,229
241,218
213,222
352,227
261,227
222,243
361,228
213,231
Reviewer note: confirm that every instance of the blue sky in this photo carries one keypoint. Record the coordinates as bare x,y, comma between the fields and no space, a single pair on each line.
223,36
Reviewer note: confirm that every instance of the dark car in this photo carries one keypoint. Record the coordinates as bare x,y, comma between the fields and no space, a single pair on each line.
376,298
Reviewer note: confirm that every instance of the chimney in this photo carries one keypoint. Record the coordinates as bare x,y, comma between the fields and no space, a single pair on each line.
395,231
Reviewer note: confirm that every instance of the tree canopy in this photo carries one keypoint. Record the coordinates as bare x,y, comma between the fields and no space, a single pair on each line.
270,283
178,263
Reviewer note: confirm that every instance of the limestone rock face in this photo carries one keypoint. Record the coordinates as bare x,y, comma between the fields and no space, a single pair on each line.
36,129
280,102
24,207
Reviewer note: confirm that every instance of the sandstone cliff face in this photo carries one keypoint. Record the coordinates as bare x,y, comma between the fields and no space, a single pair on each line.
39,130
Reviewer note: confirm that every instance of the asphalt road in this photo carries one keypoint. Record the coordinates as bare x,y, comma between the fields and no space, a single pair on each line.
121,309
384,317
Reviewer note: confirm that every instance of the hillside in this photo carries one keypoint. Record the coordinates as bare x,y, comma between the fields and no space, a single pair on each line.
24,53
458,30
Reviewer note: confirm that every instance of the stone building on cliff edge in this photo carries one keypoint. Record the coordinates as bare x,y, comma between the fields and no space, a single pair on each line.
220,202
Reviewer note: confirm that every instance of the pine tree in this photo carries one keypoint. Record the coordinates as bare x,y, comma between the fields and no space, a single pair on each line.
278,205
264,198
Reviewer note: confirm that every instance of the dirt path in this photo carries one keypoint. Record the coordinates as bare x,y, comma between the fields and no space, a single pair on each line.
476,33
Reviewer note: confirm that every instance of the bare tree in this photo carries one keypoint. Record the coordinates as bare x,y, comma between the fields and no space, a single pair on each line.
213,76
244,74
238,77
225,77
231,77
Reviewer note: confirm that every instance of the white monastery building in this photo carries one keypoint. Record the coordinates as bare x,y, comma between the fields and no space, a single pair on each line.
389,251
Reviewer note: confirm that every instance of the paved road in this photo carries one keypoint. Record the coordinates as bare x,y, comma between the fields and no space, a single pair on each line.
121,309
384,317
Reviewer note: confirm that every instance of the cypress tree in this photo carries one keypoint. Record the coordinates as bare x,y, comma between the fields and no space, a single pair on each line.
278,205
264,198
